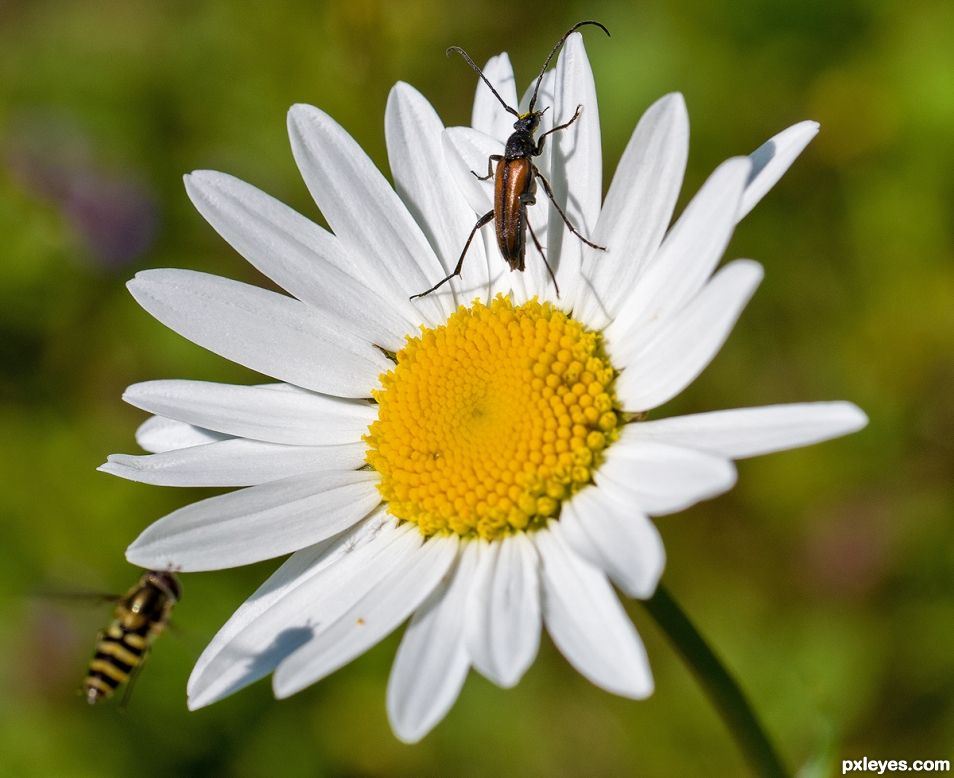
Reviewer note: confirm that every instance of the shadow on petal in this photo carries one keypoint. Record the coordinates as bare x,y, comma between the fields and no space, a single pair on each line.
286,643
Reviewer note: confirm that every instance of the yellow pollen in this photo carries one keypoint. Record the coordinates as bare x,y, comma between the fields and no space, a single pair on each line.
487,423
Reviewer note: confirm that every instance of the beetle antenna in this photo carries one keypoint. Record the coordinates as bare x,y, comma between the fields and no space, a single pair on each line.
553,52
483,78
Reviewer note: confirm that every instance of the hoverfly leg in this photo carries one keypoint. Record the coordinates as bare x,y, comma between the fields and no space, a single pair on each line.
539,148
566,221
490,167
544,256
485,219
130,683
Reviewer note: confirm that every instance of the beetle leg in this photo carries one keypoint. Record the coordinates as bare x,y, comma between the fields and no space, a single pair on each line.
539,148
545,262
490,167
566,221
485,219
530,196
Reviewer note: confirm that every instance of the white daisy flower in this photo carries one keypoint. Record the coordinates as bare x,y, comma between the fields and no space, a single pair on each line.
477,460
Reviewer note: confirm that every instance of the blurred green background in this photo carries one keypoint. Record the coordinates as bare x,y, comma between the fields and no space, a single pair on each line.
825,579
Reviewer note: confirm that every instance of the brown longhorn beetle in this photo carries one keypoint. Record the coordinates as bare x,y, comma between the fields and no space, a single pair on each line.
516,175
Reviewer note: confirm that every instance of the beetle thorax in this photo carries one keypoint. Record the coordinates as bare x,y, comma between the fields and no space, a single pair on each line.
520,145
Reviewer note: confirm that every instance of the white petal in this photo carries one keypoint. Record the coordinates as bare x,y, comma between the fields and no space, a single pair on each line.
235,462
687,257
503,622
686,343
416,153
275,620
271,413
576,164
265,331
299,256
432,663
587,622
616,538
659,478
772,159
636,211
370,619
748,432
488,115
260,522
467,153
157,434
362,208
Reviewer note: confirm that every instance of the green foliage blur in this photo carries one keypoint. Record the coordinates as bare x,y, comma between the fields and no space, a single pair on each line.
825,578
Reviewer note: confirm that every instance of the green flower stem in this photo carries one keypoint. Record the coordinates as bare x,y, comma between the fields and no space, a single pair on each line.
719,684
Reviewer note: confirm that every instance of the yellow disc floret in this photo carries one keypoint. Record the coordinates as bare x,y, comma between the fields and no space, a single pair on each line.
487,423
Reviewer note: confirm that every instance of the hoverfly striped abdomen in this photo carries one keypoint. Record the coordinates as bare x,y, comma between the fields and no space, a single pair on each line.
140,617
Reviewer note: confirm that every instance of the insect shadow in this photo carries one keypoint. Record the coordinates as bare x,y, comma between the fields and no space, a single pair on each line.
261,664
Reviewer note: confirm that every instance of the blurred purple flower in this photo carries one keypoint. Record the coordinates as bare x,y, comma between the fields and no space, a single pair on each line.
114,214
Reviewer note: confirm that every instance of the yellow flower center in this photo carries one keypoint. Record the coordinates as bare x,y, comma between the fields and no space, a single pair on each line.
487,423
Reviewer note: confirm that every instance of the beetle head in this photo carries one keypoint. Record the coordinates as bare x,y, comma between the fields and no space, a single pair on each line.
528,122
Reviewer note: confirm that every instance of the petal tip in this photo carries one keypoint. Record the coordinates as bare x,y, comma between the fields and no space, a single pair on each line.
140,554
731,476
646,689
755,268
742,160
135,556
509,681
673,101
199,177
150,275
198,694
131,394
855,418
110,467
639,684
402,87
281,687
407,735
300,113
